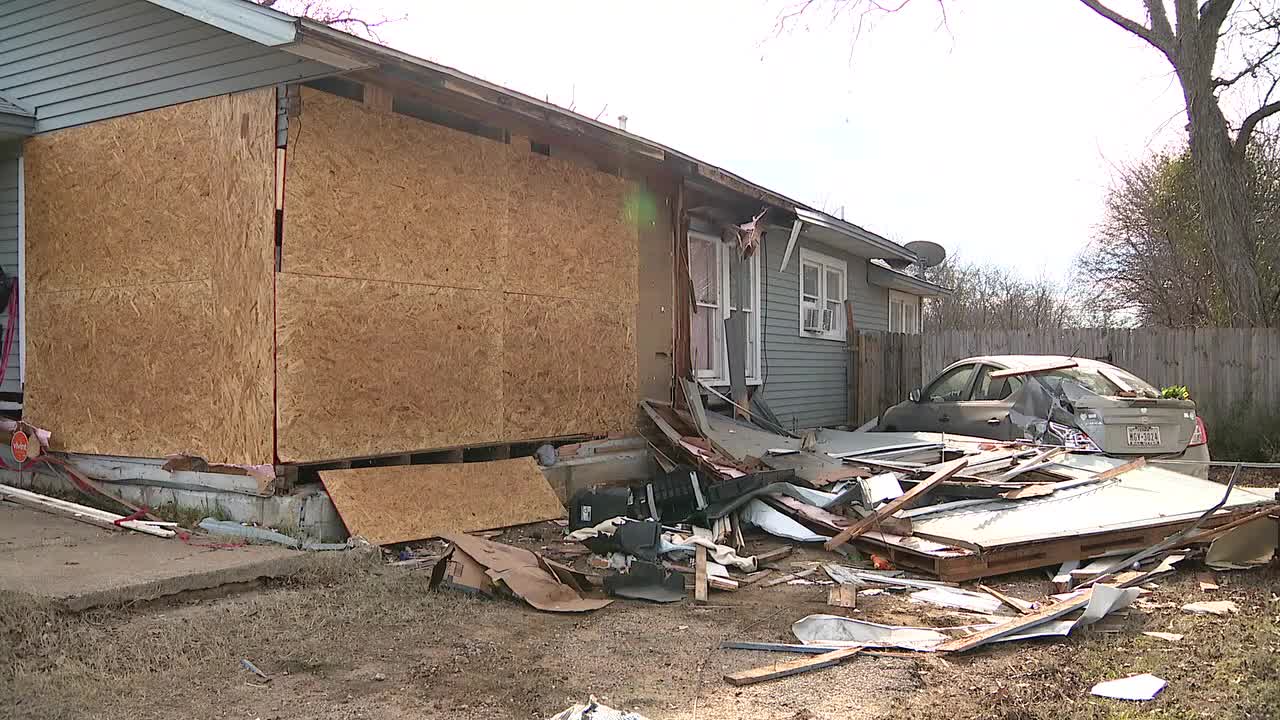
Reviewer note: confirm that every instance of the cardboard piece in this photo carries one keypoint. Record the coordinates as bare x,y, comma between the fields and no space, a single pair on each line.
400,503
489,568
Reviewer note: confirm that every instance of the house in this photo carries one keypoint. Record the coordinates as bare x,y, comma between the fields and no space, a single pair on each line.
255,239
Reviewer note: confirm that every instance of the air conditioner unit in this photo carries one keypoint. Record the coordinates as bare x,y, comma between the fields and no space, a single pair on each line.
828,320
813,318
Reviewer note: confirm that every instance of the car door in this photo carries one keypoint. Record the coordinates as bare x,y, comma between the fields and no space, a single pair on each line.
985,413
940,402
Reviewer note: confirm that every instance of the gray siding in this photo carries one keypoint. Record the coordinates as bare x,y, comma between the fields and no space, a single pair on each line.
9,255
77,61
806,378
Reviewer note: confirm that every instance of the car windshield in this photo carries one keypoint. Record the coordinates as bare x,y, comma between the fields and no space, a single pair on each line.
1100,381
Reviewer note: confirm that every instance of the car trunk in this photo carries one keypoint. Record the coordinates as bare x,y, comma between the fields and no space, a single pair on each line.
1137,426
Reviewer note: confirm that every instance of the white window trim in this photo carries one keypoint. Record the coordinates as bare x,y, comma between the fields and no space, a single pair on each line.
825,263
720,376
912,302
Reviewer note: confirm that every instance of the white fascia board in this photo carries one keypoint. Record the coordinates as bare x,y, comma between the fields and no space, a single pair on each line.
239,17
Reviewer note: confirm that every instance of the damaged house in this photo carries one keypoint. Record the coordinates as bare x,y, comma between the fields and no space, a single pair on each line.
252,239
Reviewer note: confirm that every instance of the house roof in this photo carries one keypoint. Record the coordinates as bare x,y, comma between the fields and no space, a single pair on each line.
346,52
15,119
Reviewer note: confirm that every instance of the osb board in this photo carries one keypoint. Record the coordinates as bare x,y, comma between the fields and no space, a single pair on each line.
573,231
169,206
567,366
411,502
383,196
367,368
122,371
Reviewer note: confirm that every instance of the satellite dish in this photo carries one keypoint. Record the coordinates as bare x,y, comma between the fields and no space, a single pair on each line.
897,263
931,254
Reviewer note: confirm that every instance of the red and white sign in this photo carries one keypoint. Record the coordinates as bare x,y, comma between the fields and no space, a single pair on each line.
19,446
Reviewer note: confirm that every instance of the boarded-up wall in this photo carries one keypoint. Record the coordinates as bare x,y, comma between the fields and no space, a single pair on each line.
149,251
475,292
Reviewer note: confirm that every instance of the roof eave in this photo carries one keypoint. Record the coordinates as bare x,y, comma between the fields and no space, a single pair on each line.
894,280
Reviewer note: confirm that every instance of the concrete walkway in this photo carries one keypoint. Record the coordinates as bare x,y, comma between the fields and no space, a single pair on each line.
85,566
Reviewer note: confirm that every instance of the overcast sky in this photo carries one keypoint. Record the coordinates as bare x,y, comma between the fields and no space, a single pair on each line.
996,138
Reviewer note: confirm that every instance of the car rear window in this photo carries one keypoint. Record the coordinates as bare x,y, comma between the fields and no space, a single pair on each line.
1093,381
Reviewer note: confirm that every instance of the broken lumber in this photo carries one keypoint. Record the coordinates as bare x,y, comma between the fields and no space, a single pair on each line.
902,501
776,554
1022,606
700,574
843,596
1064,365
790,577
83,513
1052,612
793,667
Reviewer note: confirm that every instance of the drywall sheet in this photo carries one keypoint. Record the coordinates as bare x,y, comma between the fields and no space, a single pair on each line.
149,261
567,366
442,289
411,502
369,368
383,196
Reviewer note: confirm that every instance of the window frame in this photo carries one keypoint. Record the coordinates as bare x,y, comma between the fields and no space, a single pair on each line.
825,264
909,302
719,376
926,395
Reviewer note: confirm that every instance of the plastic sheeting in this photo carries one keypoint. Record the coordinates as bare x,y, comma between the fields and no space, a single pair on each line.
760,515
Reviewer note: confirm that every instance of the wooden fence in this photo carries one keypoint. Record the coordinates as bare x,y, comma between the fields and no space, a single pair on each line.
1226,369
883,369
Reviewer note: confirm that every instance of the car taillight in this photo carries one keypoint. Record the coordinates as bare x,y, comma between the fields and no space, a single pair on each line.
1200,436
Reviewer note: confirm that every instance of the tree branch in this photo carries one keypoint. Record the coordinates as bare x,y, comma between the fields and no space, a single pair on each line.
1251,123
1250,69
1132,26
1160,26
1213,13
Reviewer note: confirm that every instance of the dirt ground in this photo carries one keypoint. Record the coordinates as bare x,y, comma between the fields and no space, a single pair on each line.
357,639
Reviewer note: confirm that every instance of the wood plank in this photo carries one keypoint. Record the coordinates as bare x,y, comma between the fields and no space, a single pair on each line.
843,596
789,577
700,575
901,502
1022,606
1052,612
793,667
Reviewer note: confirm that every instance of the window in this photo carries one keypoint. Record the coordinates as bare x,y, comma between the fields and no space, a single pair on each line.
904,313
709,260
994,389
953,386
824,287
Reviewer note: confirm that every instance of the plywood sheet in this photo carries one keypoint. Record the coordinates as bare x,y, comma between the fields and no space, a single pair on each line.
123,202
149,259
412,502
368,368
383,196
573,231
567,366
122,371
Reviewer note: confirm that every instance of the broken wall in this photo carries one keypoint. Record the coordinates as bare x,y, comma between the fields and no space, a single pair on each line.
149,254
440,289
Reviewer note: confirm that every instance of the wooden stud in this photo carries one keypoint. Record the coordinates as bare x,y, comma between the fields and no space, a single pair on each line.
1021,606
794,667
1052,612
843,596
899,503
700,574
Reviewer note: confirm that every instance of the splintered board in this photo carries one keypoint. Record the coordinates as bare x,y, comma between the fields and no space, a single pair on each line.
396,504
382,196
149,254
368,368
477,292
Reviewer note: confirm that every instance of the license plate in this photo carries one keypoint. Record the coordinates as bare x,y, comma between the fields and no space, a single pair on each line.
1144,435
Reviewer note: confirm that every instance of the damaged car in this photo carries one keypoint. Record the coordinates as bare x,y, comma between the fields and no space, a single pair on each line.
1075,402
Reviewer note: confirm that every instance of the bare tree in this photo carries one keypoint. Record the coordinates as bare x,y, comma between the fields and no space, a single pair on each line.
1151,259
1213,46
339,15
990,297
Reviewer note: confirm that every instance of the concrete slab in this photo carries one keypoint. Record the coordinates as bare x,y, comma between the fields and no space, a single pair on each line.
84,566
